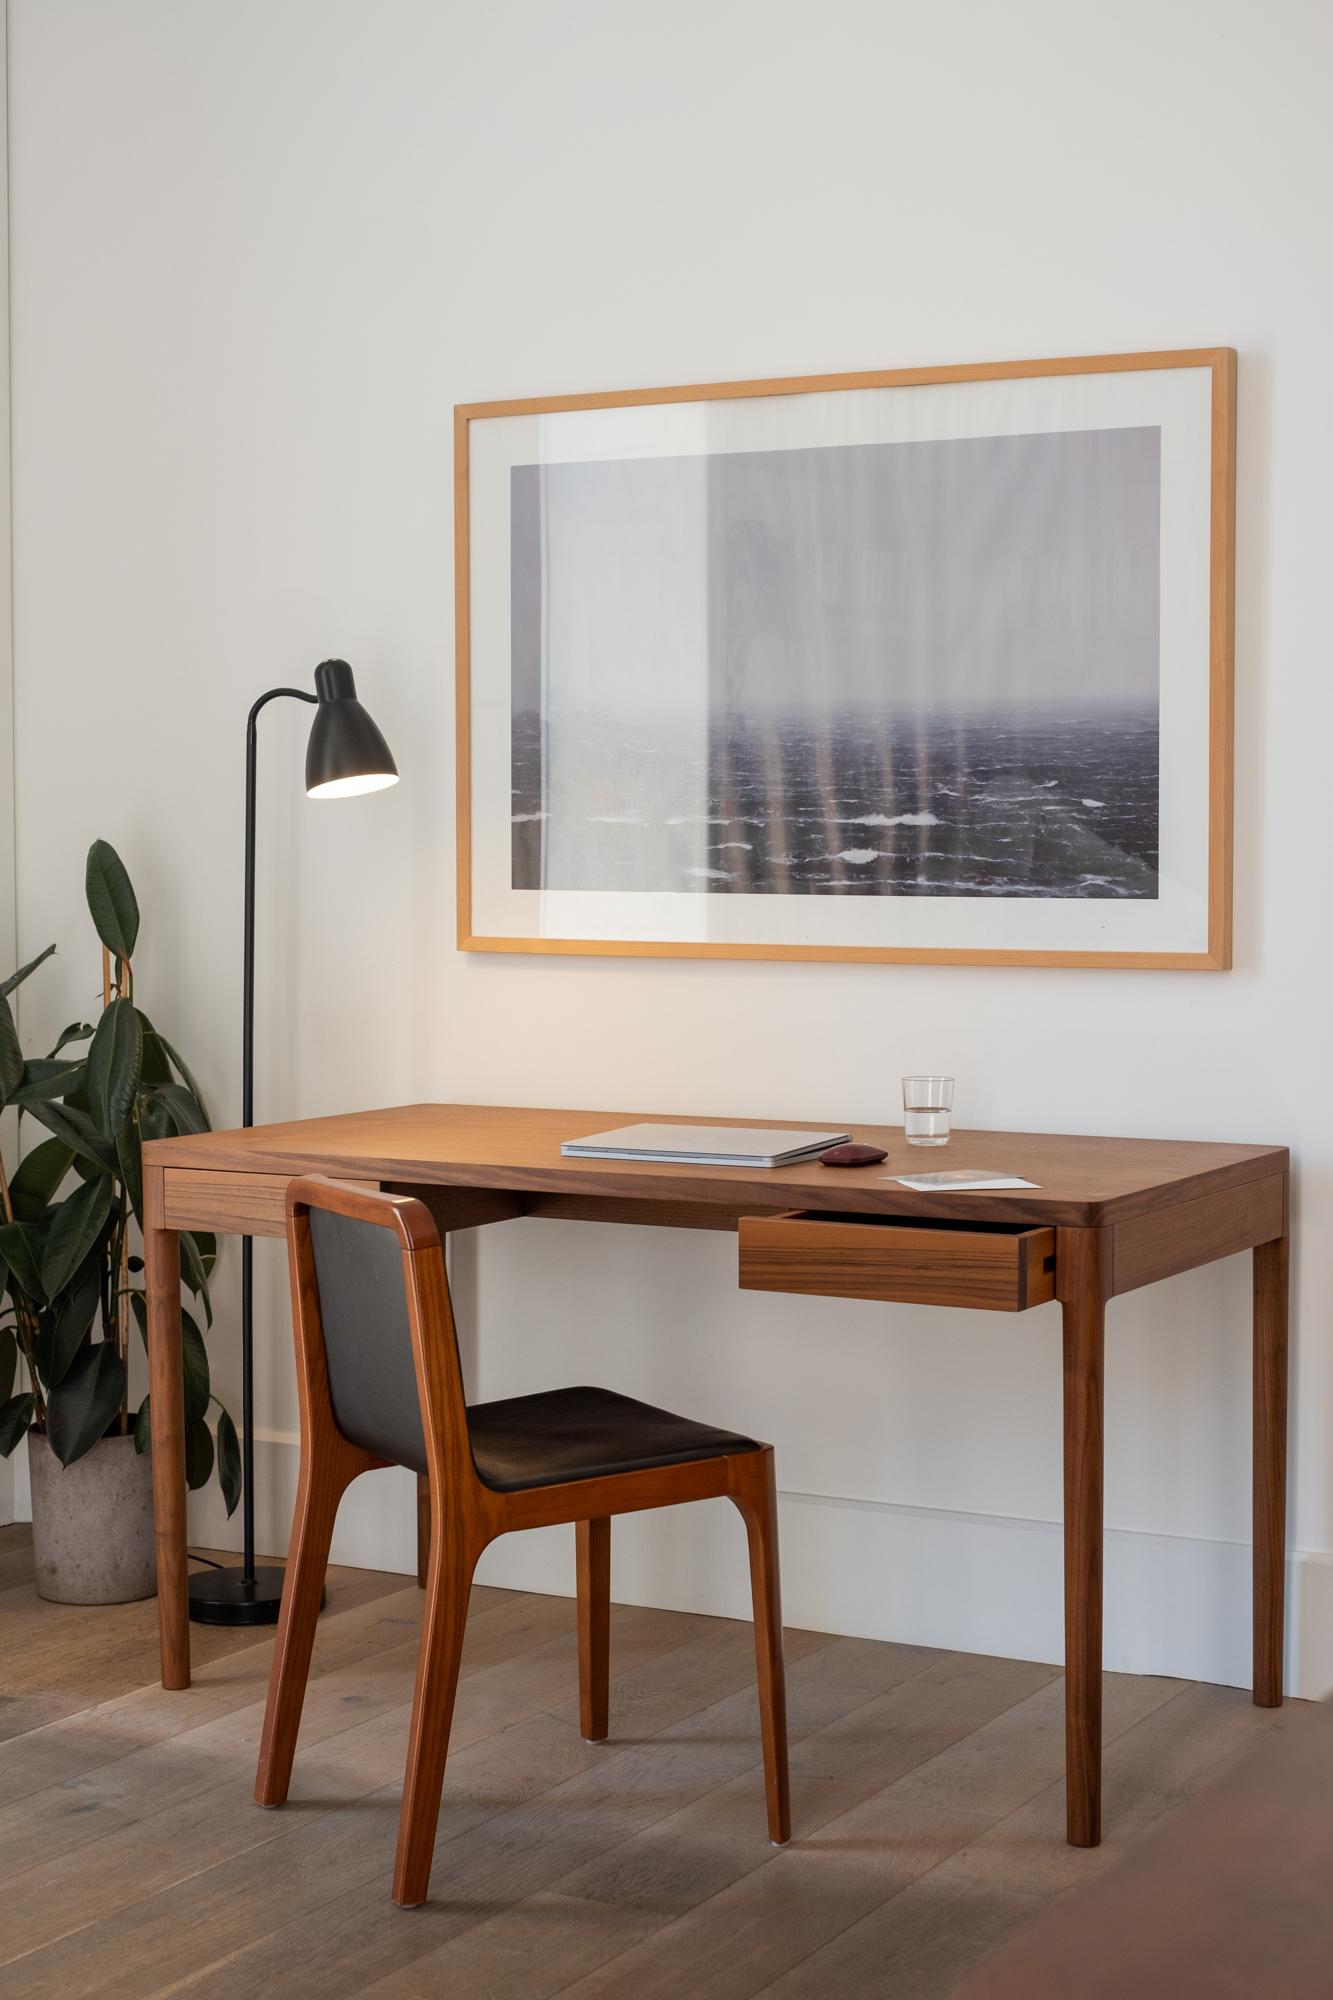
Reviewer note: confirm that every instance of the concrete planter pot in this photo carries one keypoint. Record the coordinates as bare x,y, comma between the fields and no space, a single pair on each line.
92,1523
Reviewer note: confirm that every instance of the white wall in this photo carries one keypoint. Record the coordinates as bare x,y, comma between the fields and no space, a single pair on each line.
259,251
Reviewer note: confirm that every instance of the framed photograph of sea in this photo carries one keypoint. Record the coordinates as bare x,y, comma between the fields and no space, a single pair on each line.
927,665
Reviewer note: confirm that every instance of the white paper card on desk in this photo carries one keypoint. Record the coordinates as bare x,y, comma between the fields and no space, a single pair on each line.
958,1180
703,1145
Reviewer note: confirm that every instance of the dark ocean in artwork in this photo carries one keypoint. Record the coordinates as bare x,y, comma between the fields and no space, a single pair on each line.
1044,805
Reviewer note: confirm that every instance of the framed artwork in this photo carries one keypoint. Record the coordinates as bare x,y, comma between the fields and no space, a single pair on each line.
929,665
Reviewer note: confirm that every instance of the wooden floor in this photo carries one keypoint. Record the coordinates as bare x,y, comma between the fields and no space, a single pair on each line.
926,1792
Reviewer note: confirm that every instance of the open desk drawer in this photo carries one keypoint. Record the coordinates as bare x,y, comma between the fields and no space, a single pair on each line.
1005,1267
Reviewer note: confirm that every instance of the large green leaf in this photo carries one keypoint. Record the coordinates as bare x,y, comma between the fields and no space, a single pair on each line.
198,1455
115,1061
63,1331
143,1426
194,1356
156,1063
229,1461
17,978
131,1168
77,1098
79,1412
9,1359
183,1108
44,1078
11,1055
77,1031
193,1275
79,1134
111,900
37,1178
155,1121
21,1248
75,1227
14,1420
187,1078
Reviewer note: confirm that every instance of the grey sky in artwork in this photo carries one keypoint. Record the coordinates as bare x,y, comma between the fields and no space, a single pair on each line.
968,575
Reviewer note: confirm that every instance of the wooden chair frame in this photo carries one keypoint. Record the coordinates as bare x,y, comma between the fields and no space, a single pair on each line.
466,1515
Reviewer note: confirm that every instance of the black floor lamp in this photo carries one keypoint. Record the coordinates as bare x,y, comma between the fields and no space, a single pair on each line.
346,754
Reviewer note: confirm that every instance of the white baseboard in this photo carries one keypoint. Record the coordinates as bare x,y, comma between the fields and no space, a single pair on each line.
982,1583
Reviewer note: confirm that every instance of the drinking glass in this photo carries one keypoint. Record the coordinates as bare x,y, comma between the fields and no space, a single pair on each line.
927,1109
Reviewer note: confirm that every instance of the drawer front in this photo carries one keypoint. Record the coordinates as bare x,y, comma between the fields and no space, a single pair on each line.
1001,1270
236,1204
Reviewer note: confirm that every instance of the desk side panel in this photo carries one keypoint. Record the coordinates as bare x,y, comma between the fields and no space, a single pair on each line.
1185,1234
236,1204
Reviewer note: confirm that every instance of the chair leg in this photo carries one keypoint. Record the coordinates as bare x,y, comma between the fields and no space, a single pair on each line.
756,1498
594,1577
448,1583
322,1486
423,1529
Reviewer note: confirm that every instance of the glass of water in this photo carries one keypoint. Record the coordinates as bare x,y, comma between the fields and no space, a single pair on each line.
927,1109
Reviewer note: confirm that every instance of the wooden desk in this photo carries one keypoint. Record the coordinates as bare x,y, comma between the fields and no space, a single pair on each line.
1106,1216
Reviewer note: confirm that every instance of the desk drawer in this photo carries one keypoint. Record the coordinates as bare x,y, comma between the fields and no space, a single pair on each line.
1002,1267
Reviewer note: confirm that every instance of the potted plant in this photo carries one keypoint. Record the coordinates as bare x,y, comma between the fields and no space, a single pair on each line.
71,1278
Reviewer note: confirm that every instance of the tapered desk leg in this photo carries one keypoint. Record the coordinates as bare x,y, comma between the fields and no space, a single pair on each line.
166,1387
1270,1467
1083,1276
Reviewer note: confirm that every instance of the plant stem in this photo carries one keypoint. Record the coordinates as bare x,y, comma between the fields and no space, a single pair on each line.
123,1307
115,1310
26,1328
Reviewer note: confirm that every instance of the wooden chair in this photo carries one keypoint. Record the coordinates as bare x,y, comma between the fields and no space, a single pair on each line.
380,1384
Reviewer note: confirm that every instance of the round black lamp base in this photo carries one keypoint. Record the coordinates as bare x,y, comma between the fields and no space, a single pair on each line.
223,1597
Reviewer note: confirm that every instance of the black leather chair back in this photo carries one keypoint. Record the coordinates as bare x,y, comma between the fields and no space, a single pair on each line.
367,1338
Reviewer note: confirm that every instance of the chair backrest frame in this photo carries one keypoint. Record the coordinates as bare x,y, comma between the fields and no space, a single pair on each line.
430,1318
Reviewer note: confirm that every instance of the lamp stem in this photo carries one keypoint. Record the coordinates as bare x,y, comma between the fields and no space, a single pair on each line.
221,1597
247,1119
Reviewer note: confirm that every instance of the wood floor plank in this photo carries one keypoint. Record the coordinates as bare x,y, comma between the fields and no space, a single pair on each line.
870,1851
168,1812
16,1561
98,1651
917,1946
356,1935
927,1794
713,1658
1150,1769
690,1857
147,1714
171,1748
710,1902
22,1713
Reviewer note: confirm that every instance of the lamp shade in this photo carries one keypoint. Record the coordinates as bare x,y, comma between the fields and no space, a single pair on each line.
346,753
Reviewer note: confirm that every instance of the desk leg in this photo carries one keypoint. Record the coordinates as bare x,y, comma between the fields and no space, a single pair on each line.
1083,1272
166,1387
1270,1467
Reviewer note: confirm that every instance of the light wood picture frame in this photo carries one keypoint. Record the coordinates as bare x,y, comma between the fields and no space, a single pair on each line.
927,665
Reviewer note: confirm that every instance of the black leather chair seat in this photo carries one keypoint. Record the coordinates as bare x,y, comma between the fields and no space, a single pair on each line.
563,1434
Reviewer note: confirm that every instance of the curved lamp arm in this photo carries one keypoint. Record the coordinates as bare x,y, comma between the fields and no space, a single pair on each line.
248,954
